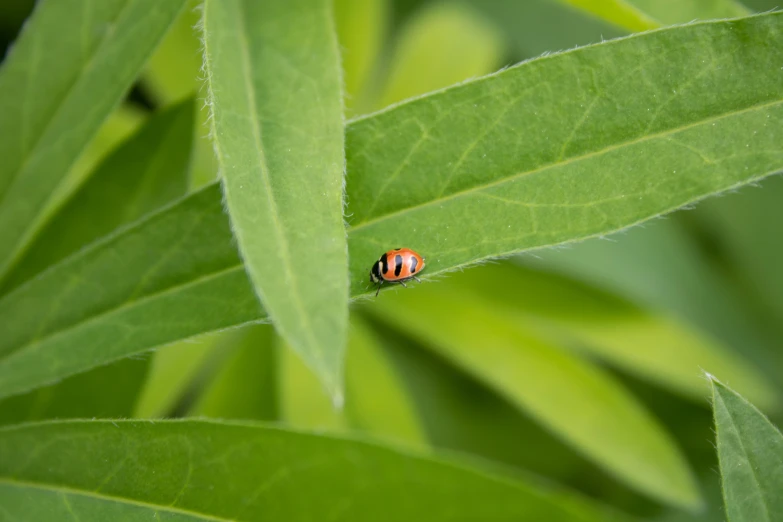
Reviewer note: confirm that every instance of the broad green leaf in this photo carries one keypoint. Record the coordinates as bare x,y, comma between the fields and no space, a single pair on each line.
750,450
273,72
660,268
647,344
172,372
68,70
376,400
577,401
181,275
42,502
252,472
567,147
109,391
641,15
441,45
361,31
244,386
146,172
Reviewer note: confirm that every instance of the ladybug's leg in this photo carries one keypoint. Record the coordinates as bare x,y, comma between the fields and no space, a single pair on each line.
380,283
417,279
402,283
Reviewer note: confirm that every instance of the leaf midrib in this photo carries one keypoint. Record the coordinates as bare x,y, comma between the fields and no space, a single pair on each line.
283,250
238,266
63,490
573,159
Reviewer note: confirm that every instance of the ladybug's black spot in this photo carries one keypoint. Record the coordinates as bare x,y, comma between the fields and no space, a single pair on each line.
384,263
414,262
397,264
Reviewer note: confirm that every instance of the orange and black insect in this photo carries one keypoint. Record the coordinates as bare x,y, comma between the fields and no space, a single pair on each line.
396,266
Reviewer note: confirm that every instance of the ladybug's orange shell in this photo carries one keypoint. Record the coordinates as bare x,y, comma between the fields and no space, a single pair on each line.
400,264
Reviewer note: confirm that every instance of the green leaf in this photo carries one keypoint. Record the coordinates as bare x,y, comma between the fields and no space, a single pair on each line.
569,146
536,27
28,502
376,399
121,125
460,414
641,15
648,344
441,45
243,387
577,401
274,81
257,473
142,175
750,450
108,391
181,275
173,73
746,226
660,268
361,29
172,372
667,12
65,74
621,13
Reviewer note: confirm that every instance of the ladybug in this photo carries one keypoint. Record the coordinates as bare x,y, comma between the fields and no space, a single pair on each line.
396,266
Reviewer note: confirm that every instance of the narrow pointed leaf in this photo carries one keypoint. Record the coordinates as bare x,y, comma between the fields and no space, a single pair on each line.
642,15
142,175
273,71
750,450
660,268
68,70
648,344
618,12
181,275
574,399
252,473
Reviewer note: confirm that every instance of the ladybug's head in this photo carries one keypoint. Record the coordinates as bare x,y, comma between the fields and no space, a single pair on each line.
375,273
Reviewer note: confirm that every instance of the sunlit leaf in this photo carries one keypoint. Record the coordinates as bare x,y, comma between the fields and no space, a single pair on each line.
442,45
574,399
660,268
648,344
361,30
63,77
251,472
750,450
273,71
641,15
376,402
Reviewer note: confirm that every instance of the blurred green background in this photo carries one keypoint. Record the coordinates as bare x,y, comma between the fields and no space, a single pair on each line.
626,324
